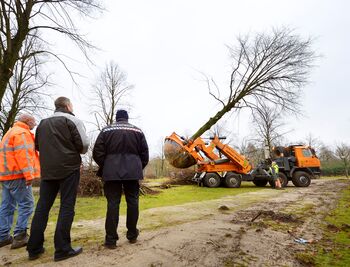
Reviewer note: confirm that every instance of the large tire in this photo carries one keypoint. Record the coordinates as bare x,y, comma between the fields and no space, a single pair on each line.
232,180
260,183
283,178
211,180
301,179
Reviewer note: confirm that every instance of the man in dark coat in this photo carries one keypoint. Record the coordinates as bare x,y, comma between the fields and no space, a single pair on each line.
121,151
60,139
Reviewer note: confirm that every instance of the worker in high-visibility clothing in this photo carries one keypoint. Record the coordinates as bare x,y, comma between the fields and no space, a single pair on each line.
274,172
19,165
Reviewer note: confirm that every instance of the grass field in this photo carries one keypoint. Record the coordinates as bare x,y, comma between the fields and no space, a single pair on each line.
89,208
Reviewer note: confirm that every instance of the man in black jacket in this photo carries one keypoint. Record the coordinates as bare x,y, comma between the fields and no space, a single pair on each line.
121,151
60,139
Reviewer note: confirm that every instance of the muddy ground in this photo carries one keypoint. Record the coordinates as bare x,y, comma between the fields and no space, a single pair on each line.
251,229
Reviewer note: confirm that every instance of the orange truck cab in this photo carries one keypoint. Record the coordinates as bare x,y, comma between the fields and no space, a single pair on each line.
297,163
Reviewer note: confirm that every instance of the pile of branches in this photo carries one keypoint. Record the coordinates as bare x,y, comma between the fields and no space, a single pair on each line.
90,185
145,190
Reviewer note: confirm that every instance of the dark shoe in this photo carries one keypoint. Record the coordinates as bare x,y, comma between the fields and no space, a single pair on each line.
110,246
34,256
133,241
20,240
6,242
74,252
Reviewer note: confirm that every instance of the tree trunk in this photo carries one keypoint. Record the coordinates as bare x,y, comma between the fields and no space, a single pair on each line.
11,54
346,169
213,120
5,75
13,112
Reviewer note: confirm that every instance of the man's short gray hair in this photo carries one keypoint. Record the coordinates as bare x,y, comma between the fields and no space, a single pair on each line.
25,118
62,102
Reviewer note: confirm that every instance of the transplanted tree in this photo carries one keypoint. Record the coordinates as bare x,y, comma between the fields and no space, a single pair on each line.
268,67
109,92
21,19
342,151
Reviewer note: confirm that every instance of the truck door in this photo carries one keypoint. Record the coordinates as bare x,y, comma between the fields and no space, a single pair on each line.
306,158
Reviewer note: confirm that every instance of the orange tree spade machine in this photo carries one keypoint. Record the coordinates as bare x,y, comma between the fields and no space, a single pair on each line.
218,163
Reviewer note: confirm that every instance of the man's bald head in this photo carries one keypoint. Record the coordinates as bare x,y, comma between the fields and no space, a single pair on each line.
27,119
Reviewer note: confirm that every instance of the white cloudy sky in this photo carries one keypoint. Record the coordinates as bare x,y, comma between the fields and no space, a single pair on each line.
163,46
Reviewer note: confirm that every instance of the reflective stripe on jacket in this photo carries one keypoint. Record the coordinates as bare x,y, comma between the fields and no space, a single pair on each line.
274,169
18,157
275,166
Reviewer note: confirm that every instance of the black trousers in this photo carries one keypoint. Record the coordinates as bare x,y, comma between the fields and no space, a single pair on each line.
113,193
48,192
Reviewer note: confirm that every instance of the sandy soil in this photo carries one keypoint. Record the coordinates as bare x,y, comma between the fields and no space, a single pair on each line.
251,229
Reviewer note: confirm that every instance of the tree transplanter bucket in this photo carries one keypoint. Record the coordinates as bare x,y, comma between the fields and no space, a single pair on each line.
177,155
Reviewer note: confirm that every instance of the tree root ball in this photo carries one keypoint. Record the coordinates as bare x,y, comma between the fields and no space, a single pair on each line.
177,156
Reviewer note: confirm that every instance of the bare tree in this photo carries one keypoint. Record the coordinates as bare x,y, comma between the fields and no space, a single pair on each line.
162,159
326,154
268,125
110,90
25,89
269,68
221,130
21,19
342,151
253,152
313,142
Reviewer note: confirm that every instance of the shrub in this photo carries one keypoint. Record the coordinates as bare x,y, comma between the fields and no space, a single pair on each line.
333,171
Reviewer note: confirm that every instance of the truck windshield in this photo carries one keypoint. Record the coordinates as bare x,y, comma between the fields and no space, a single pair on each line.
307,153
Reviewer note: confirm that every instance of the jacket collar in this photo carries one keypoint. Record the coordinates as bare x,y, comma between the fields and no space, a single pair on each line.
64,111
22,125
122,120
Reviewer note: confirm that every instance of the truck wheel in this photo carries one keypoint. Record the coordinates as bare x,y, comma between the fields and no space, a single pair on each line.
283,178
260,183
232,180
301,179
211,180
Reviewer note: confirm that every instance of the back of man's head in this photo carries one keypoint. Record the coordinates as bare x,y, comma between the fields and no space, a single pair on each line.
62,102
121,115
27,119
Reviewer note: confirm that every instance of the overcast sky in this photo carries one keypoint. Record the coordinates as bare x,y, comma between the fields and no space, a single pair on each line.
164,45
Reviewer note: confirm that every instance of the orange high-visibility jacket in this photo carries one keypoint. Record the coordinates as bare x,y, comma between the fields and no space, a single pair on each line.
18,157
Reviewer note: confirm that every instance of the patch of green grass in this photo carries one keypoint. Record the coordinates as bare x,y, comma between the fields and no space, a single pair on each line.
334,249
90,208
157,180
305,258
301,210
191,193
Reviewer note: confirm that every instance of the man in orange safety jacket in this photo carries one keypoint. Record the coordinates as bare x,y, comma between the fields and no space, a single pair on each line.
19,165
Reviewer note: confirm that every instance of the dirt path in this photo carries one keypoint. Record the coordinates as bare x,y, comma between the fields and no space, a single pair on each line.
213,233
